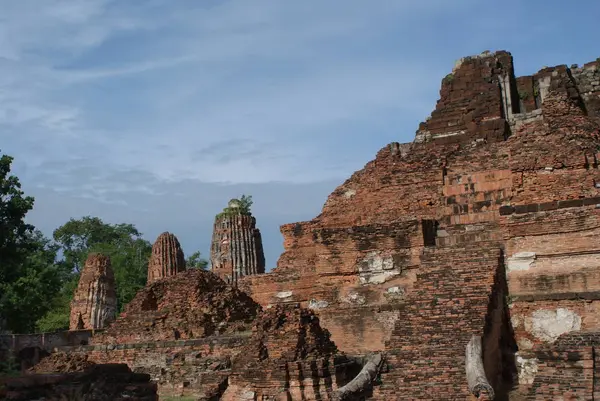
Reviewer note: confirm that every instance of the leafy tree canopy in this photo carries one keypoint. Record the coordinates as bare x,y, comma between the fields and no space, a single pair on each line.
123,243
29,275
195,261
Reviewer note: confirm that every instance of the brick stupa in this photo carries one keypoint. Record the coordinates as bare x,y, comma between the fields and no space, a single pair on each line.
236,249
167,257
94,304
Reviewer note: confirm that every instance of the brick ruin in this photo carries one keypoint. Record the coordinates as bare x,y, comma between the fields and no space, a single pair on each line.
485,225
460,266
94,303
95,383
167,257
236,249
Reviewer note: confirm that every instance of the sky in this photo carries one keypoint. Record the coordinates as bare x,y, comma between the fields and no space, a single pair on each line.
157,112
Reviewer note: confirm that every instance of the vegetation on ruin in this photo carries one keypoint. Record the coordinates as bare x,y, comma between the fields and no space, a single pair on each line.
195,261
448,78
237,207
38,275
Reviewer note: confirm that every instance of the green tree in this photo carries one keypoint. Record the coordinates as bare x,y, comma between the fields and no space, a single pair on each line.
123,243
195,261
79,237
29,276
31,295
14,205
245,204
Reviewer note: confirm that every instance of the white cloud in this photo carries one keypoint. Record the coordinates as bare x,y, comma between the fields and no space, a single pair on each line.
188,78
231,91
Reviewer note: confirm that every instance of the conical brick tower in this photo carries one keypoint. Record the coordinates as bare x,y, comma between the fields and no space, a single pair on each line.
236,249
94,304
167,257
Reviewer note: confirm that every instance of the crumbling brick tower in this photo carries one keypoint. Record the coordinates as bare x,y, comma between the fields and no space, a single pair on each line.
236,249
167,257
94,304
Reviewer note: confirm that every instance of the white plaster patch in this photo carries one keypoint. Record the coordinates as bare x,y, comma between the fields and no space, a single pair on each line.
316,304
527,368
543,86
355,298
247,395
395,293
349,193
520,261
284,294
376,269
442,233
548,325
395,290
525,344
515,320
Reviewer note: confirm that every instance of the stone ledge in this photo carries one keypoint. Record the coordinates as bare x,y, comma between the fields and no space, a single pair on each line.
157,344
547,206
565,296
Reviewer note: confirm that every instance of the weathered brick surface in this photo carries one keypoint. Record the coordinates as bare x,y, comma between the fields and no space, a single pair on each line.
492,170
288,355
94,303
427,348
191,368
566,370
191,304
167,257
236,250
471,103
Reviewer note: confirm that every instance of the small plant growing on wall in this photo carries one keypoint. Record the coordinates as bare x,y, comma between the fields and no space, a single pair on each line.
237,207
448,78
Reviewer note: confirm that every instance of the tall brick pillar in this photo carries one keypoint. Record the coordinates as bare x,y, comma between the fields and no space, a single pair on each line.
236,249
167,257
94,304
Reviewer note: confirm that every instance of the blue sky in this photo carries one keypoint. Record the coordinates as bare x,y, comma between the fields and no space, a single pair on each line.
156,112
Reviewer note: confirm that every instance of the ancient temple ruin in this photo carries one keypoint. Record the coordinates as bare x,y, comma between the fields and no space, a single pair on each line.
236,250
167,257
94,304
464,265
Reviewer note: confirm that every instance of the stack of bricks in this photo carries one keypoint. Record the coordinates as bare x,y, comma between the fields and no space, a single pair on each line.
491,169
588,83
450,304
289,355
94,303
191,304
167,257
471,102
567,369
185,368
